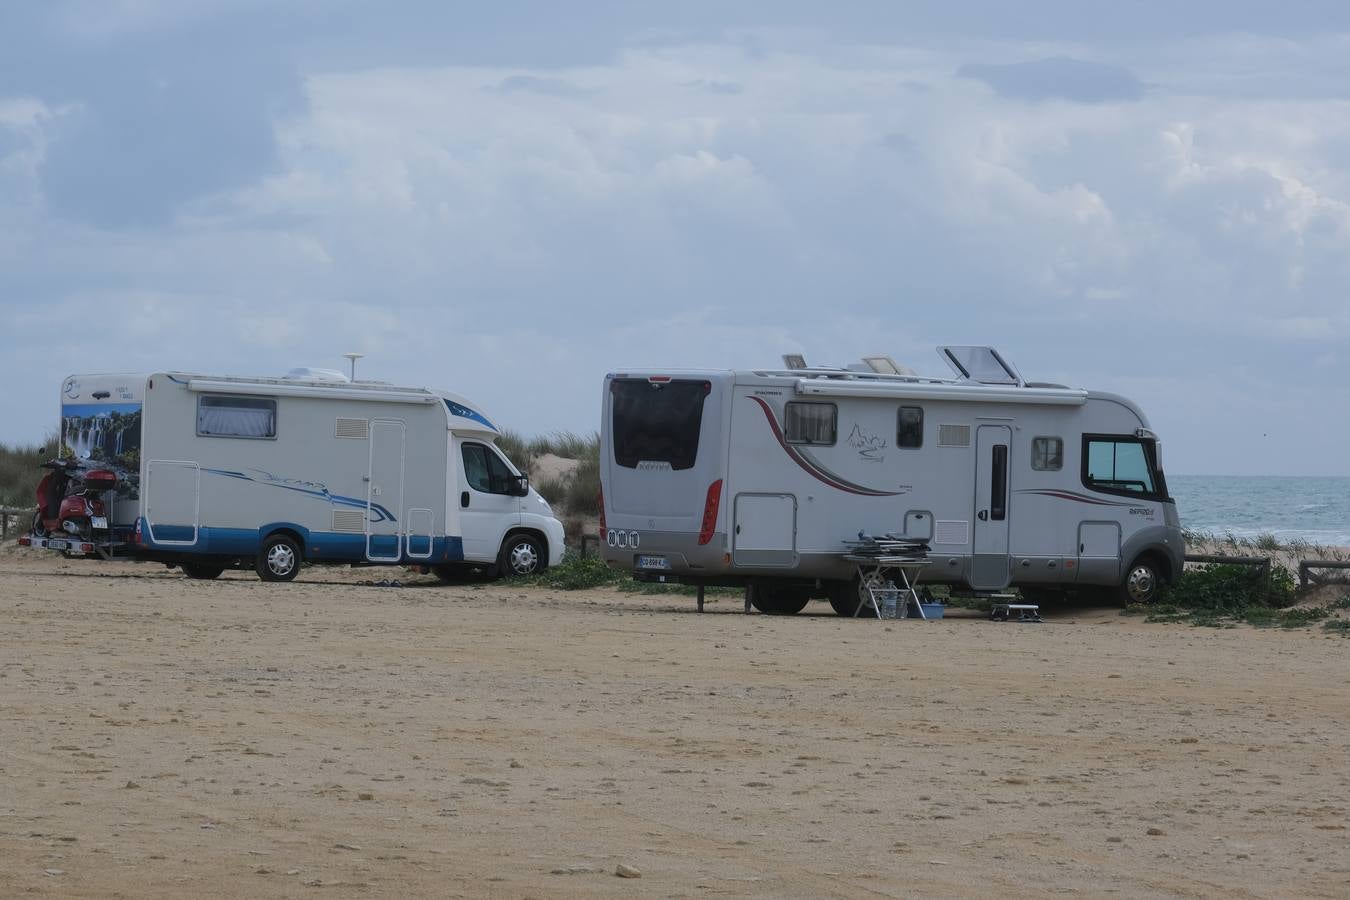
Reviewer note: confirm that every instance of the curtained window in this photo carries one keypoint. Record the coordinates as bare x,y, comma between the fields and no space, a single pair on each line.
240,417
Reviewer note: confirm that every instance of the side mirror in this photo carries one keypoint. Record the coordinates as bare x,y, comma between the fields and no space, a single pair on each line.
521,487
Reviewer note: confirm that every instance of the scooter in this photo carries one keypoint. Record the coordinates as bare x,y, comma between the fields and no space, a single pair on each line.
69,501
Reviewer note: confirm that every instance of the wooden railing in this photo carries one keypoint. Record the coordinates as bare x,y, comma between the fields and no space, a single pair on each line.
1307,576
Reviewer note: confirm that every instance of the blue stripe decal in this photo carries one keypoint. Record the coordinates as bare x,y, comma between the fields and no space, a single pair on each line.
320,546
312,488
458,409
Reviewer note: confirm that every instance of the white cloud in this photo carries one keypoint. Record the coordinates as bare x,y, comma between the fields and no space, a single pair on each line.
474,225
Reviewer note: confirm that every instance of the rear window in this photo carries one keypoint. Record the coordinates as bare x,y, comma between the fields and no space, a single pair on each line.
657,423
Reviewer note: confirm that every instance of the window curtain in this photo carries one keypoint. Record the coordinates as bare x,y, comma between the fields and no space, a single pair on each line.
236,421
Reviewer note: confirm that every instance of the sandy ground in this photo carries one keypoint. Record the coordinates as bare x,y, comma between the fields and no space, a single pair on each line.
167,738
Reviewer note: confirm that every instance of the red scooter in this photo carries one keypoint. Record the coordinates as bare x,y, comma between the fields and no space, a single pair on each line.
69,501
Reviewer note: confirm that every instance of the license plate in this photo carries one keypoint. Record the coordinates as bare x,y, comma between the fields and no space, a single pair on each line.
57,545
99,522
653,562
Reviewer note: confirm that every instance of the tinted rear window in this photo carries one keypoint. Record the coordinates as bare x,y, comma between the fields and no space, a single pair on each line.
657,423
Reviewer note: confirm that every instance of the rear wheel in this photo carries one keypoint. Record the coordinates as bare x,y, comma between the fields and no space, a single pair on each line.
201,571
1142,583
279,559
853,597
780,601
521,555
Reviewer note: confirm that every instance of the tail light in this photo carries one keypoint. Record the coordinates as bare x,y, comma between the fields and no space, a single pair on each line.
25,541
136,535
710,506
600,500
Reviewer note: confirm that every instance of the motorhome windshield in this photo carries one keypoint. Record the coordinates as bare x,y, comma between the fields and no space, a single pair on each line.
657,423
1121,464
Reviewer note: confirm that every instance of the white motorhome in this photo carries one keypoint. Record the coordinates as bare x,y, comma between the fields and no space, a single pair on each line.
218,471
758,477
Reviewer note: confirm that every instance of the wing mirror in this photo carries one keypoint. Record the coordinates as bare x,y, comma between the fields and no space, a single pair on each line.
521,486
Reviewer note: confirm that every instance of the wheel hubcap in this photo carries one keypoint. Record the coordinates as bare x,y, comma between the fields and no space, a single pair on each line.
1141,583
523,559
280,559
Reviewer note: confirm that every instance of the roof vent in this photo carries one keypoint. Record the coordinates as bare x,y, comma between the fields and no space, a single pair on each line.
304,373
884,365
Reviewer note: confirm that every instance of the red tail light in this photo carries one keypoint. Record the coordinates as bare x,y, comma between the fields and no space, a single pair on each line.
600,501
136,535
710,512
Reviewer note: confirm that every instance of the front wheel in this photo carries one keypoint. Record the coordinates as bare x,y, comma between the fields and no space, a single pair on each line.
1142,583
521,555
279,559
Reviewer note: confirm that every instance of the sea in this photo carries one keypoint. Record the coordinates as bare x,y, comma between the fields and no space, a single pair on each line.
1311,509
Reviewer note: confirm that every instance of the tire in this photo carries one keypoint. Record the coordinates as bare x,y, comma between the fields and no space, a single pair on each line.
1142,583
521,555
780,601
279,559
852,596
201,571
37,525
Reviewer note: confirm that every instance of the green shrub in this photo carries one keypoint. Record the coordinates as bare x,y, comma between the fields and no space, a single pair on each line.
19,473
1228,588
577,574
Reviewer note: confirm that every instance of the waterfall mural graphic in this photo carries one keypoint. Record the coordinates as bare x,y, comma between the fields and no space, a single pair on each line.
106,435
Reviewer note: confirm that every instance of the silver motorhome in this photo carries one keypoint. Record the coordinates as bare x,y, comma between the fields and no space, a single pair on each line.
758,477
220,471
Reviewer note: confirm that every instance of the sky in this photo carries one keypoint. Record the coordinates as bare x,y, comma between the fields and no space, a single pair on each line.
511,199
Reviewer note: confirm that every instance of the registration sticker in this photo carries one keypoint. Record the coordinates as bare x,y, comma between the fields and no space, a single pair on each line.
653,562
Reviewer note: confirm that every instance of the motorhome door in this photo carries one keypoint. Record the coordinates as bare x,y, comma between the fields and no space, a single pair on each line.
989,559
766,530
384,492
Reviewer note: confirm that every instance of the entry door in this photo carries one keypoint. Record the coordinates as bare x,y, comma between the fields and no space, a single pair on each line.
1098,552
989,560
766,531
384,492
171,497
486,505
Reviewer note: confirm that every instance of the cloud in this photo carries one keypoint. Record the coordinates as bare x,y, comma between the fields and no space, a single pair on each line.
1058,78
534,84
513,230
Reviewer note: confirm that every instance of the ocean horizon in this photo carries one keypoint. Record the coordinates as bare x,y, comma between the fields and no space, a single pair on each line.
1311,508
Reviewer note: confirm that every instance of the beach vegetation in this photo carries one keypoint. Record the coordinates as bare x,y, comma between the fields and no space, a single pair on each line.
19,472
576,573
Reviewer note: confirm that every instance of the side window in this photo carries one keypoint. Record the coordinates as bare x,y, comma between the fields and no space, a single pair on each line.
1047,454
485,471
1119,466
238,417
476,467
909,427
811,423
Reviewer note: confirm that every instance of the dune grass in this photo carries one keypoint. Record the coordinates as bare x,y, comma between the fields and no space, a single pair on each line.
19,473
